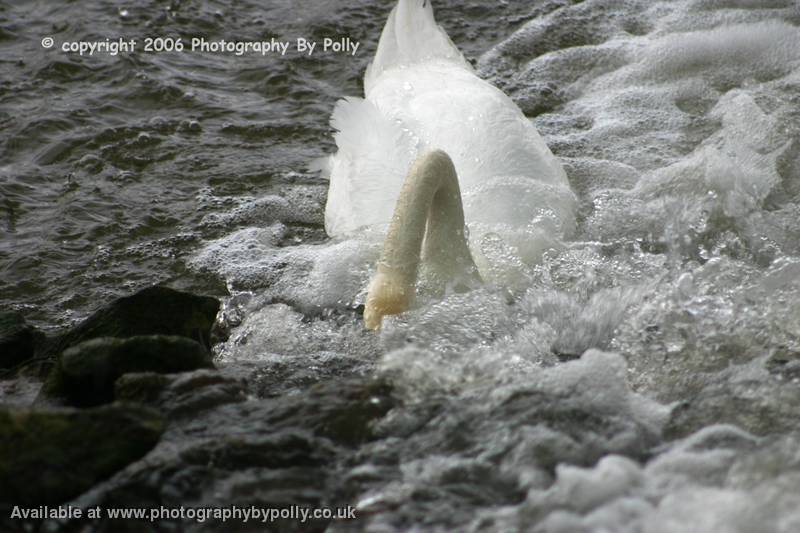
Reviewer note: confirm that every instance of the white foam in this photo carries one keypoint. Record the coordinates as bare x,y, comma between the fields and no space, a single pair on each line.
278,331
678,126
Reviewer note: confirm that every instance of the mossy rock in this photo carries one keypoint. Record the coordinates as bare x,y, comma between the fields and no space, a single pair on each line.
145,388
187,394
151,311
85,374
50,456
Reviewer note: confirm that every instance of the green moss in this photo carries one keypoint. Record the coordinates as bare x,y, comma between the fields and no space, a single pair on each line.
85,374
50,456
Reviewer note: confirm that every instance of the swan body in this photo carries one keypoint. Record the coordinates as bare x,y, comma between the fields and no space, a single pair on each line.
426,113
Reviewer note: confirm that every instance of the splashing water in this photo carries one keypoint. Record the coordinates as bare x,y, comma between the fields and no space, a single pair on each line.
645,377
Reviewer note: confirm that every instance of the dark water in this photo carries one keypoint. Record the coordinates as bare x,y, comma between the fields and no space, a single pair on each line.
110,163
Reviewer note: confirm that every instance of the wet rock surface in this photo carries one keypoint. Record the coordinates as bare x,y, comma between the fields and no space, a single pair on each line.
184,394
742,404
18,340
151,311
48,456
85,373
677,123
274,452
784,363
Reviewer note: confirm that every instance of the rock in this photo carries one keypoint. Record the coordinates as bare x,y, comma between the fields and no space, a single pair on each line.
186,394
360,404
85,374
17,340
759,407
270,453
341,410
145,388
784,362
292,375
49,456
151,311
19,391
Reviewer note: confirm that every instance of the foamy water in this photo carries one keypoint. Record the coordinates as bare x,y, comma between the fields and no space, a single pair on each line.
646,377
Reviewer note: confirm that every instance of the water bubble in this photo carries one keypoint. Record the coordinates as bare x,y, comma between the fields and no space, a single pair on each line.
686,285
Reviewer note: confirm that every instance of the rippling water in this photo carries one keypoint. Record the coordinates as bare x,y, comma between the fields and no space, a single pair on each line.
111,165
645,378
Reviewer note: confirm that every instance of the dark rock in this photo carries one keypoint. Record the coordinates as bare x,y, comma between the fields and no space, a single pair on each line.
85,374
288,375
142,387
785,363
281,449
49,456
761,408
341,410
572,433
21,391
17,340
151,311
186,394
270,453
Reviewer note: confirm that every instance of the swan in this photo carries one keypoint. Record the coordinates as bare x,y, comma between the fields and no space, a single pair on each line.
430,146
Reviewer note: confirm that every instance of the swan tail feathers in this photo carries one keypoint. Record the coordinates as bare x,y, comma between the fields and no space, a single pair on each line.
367,171
411,36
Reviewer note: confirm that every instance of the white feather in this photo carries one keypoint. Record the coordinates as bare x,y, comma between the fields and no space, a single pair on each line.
421,94
411,36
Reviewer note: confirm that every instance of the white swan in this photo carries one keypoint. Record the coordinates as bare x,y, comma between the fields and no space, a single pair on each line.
424,105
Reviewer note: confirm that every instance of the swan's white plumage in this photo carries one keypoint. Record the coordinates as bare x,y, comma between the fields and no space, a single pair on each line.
411,36
422,95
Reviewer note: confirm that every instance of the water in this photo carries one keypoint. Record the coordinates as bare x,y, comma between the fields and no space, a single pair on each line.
644,378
